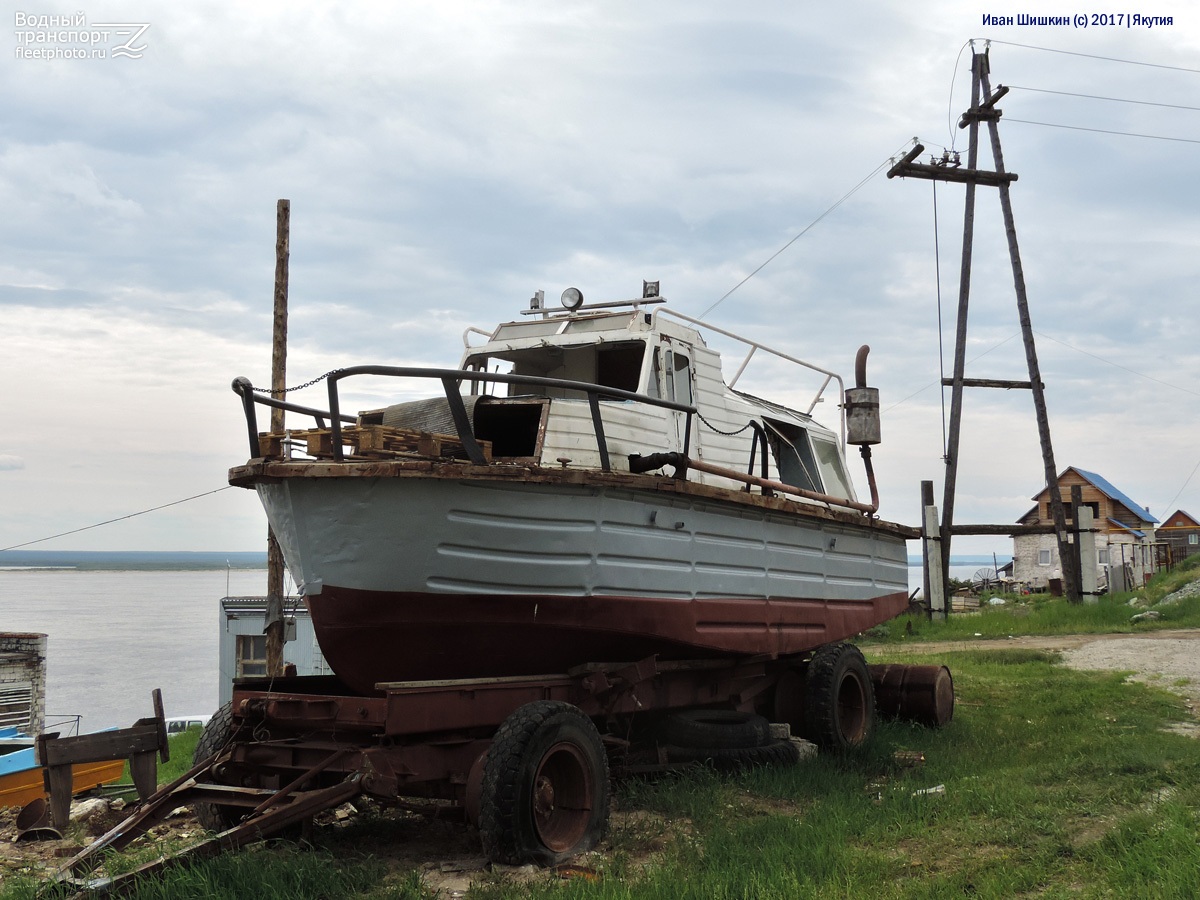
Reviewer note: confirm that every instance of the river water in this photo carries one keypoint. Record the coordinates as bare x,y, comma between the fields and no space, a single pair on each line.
114,636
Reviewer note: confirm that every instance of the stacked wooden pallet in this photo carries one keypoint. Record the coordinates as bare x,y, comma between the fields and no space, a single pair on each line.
370,442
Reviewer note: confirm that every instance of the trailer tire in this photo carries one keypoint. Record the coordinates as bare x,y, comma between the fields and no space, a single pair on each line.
218,732
545,786
714,728
729,759
839,701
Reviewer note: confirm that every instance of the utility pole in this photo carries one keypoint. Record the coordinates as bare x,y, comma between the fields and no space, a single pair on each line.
983,109
273,626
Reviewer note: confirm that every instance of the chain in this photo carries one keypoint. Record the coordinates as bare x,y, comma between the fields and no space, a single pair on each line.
719,431
301,387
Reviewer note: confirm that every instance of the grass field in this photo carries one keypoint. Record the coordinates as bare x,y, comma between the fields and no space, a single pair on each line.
1048,783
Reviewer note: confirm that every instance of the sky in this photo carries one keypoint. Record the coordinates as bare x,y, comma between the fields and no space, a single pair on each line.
444,160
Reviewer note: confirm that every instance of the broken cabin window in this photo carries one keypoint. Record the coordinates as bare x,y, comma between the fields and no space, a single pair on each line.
620,365
793,455
617,365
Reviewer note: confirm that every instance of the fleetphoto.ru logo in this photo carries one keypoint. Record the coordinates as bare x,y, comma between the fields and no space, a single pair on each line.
73,37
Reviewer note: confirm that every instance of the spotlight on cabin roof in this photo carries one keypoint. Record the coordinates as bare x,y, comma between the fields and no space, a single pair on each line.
572,298
649,289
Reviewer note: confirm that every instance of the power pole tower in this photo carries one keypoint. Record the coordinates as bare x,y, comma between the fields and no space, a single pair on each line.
983,109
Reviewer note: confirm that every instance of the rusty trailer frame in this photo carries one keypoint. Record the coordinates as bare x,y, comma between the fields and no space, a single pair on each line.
301,745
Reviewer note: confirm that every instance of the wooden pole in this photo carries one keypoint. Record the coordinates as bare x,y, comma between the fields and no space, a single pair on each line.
1057,510
926,501
273,625
978,64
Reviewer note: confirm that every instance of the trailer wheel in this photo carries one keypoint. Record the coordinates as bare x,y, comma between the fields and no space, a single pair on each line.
545,786
839,702
714,728
217,733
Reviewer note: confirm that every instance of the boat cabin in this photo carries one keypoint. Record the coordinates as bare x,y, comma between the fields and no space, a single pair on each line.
654,353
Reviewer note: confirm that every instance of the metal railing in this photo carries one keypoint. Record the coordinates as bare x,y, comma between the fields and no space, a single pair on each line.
451,380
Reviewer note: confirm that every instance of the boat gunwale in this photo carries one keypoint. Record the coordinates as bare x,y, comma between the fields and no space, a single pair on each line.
271,471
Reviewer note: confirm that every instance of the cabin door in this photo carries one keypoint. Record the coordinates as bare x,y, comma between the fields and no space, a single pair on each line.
678,383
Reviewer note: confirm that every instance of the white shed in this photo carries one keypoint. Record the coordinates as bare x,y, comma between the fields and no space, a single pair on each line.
244,646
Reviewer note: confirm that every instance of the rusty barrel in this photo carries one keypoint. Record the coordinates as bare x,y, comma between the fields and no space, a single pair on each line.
923,694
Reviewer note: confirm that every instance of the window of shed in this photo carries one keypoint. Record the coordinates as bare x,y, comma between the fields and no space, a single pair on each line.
1043,557
251,655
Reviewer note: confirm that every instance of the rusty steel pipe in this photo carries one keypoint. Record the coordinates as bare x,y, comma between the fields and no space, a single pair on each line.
773,485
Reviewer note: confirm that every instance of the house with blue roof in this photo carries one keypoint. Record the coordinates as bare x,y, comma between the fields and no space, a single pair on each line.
1127,552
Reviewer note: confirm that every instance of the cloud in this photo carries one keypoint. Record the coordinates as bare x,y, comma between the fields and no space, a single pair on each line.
9,463
444,161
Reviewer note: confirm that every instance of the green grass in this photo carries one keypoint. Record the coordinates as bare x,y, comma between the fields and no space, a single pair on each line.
1046,615
1057,783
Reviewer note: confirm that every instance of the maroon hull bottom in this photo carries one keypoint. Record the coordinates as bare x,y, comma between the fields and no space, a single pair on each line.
369,637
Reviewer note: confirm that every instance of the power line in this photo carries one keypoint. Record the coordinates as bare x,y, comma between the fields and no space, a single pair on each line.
1131,62
1017,87
1182,489
1157,137
936,383
1118,365
846,196
118,519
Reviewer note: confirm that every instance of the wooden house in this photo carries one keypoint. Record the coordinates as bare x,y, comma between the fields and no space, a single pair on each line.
1127,548
1181,532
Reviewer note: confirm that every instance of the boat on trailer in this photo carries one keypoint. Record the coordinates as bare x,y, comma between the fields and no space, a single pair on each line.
585,486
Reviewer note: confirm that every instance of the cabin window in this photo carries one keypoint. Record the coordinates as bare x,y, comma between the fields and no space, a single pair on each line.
617,365
655,374
793,455
679,377
833,468
1192,539
1102,556
251,655
620,366
1043,557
